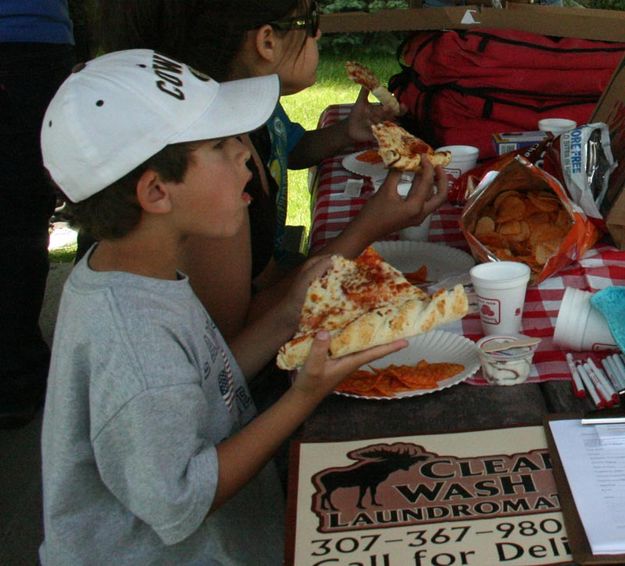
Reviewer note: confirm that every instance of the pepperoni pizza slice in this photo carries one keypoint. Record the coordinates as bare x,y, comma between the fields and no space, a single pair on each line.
366,77
366,302
399,149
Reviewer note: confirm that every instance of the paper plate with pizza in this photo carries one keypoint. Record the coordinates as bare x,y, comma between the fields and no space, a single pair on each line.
424,262
367,163
366,302
397,149
431,362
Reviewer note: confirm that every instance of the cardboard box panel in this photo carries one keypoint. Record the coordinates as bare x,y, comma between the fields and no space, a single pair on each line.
611,110
583,23
511,141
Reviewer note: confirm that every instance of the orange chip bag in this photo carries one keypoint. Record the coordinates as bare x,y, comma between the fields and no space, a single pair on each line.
525,215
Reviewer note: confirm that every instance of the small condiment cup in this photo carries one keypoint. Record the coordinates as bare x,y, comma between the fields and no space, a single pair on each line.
505,367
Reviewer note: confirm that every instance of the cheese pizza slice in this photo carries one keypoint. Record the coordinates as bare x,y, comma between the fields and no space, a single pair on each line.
366,302
399,149
366,77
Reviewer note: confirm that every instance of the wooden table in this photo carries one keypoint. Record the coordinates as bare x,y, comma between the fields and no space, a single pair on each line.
464,406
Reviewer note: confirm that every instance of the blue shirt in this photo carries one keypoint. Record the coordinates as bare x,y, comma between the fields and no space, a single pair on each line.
35,21
284,137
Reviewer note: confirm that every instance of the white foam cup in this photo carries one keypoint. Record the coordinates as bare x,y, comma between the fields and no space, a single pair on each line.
556,126
500,287
463,158
418,233
579,326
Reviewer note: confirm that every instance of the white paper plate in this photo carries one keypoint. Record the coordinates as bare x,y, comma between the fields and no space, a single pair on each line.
442,261
433,346
376,171
373,170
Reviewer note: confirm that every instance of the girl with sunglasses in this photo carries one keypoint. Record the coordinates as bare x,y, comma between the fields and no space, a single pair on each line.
231,39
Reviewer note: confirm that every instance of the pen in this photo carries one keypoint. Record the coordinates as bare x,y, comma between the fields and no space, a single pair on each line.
577,385
590,388
605,384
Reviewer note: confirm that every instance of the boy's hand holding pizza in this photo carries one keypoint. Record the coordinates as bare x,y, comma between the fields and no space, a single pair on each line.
363,303
320,374
291,304
387,211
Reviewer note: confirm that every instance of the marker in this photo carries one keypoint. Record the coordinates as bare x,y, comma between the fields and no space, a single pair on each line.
619,366
604,386
590,388
608,366
576,384
603,394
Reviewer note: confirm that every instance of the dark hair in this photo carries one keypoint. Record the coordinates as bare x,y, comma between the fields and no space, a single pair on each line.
205,34
114,211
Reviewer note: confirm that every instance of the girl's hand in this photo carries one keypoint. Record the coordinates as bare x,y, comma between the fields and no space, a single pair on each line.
387,212
364,114
320,375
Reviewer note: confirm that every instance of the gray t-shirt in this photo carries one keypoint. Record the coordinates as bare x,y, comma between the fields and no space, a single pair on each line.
142,387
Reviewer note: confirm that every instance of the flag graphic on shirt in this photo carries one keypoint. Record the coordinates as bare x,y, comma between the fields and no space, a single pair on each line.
226,387
226,382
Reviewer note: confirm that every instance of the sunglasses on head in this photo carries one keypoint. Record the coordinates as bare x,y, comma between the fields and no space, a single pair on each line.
309,21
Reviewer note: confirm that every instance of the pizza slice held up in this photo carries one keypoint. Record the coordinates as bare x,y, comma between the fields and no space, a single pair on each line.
366,77
366,302
399,149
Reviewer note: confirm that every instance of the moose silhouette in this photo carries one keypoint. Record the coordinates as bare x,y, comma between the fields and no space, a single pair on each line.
375,466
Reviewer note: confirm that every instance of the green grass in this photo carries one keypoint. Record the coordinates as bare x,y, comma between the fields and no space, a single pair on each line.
65,254
332,87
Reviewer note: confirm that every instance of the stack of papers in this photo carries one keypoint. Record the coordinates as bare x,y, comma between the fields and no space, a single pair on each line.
593,458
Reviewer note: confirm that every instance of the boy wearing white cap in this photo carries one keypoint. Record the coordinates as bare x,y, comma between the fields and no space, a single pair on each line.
152,450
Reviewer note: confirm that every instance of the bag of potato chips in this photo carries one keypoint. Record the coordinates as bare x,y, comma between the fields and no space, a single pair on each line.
524,214
464,186
581,159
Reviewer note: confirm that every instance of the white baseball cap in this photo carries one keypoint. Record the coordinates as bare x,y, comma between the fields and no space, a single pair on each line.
116,111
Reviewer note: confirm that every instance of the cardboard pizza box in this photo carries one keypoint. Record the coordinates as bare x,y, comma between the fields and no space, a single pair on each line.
611,110
583,23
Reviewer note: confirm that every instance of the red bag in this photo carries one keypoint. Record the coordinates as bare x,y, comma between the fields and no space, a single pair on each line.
462,86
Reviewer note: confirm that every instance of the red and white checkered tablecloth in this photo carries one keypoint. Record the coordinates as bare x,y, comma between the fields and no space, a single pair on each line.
602,266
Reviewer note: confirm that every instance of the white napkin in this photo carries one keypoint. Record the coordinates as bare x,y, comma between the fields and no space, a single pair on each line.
353,187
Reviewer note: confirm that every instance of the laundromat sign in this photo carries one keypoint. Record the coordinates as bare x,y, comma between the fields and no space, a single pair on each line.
421,501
